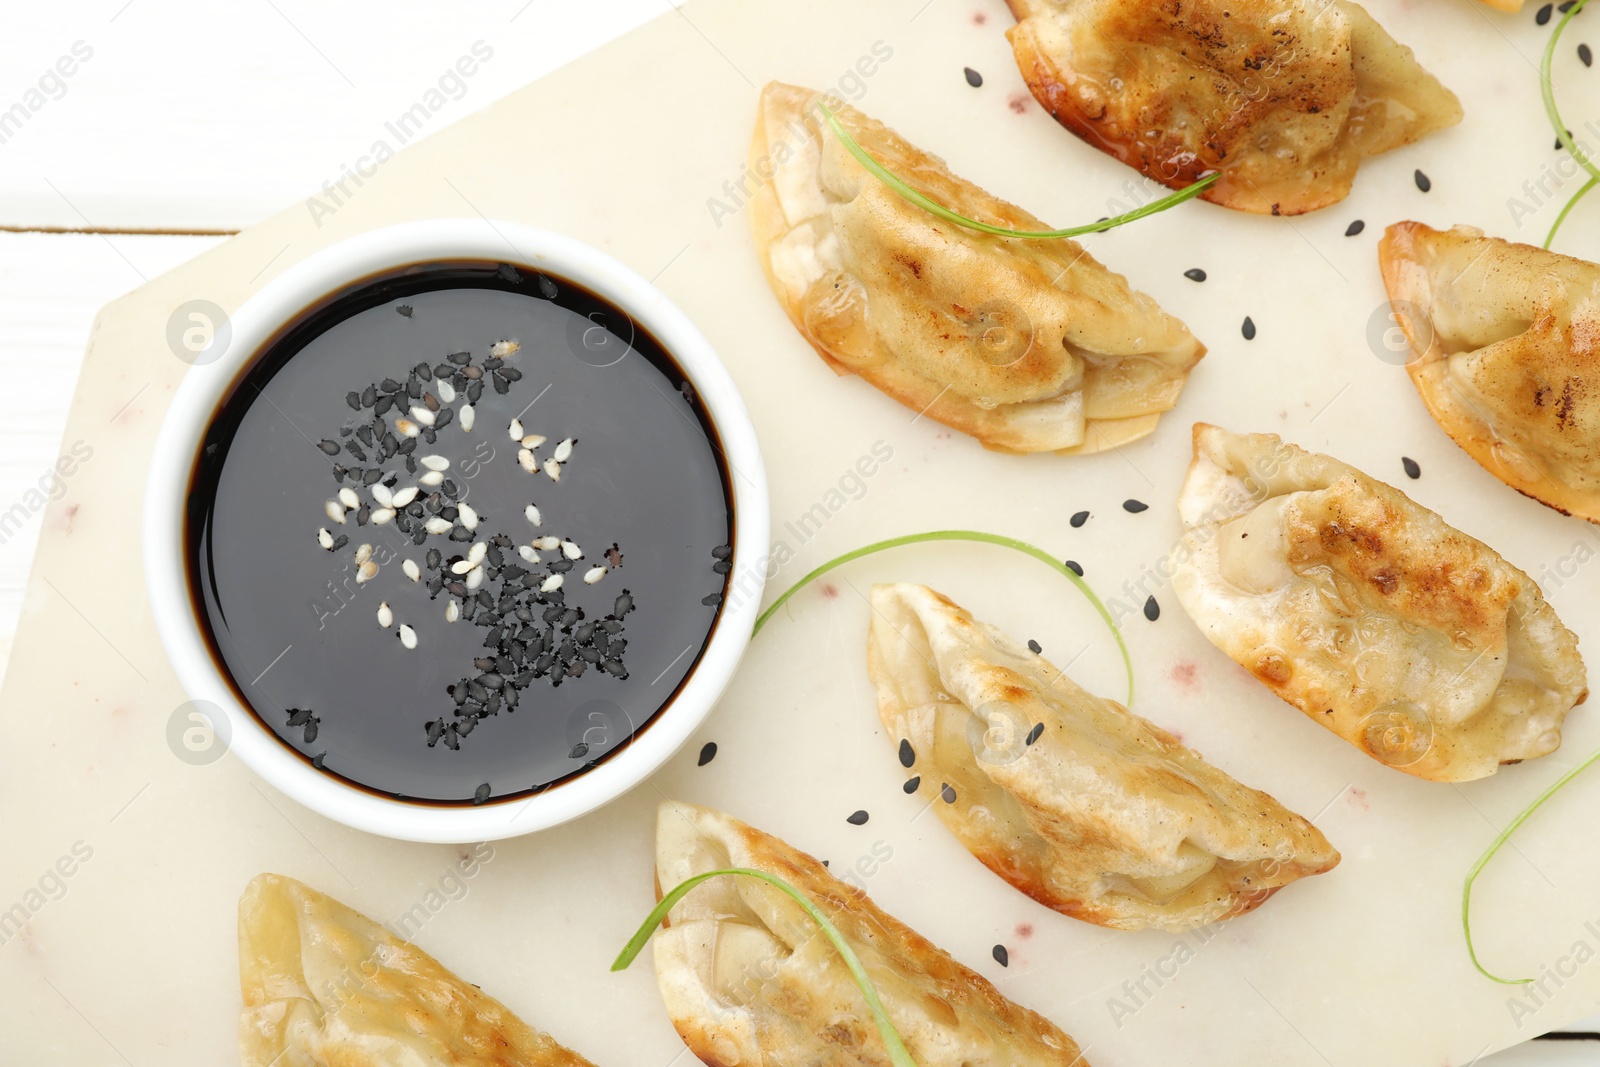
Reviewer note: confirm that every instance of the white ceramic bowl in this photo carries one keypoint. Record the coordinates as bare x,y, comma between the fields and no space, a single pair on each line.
251,327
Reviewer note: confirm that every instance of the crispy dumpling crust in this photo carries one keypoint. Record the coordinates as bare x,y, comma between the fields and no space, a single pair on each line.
324,985
1103,816
1505,342
749,979
1285,98
1029,346
1419,645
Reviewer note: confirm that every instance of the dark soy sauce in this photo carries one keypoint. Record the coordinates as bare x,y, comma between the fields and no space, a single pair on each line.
526,688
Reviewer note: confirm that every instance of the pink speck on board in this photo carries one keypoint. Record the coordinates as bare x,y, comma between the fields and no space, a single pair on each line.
1019,102
830,591
1185,674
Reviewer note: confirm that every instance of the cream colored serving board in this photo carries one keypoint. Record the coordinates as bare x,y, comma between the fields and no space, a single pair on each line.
130,957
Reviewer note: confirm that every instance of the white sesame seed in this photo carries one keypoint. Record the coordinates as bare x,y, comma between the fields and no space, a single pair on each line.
452,611
447,392
366,572
324,538
468,417
469,516
516,429
406,428
382,515
527,553
335,512
571,550
553,469
432,479
363,553
385,615
547,543
347,497
437,525
463,566
533,440
408,636
532,513
502,349
421,413
564,450
475,579
551,584
594,574
528,463
477,552
435,462
404,496
413,571
383,495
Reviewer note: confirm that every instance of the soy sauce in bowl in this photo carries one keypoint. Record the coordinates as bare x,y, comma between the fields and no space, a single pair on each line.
459,533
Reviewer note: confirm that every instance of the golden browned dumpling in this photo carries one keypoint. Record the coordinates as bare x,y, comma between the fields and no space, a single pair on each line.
1414,642
749,979
1505,342
1070,797
1284,98
1029,346
324,986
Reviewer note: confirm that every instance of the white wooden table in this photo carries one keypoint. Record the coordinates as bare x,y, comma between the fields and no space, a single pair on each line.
180,121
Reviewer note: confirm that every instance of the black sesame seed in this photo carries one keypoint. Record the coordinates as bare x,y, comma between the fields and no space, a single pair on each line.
1133,507
299,716
723,552
460,359
339,542
1035,647
908,755
1152,610
316,761
1035,733
1075,567
511,374
501,385
1542,16
721,566
311,732
1195,274
707,753
711,600
974,79
383,405
912,785
1412,469
947,793
329,448
369,396
1354,228
1423,181
481,794
474,392
579,750
1001,956
1079,519
1586,55
1248,329
354,400
858,818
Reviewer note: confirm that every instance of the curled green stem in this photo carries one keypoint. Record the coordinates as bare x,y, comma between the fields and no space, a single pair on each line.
1489,854
933,207
898,1054
976,536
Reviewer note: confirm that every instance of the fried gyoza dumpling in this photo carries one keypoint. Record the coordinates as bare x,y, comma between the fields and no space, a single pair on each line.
1284,98
748,978
324,985
1029,346
1505,342
1071,798
1414,642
